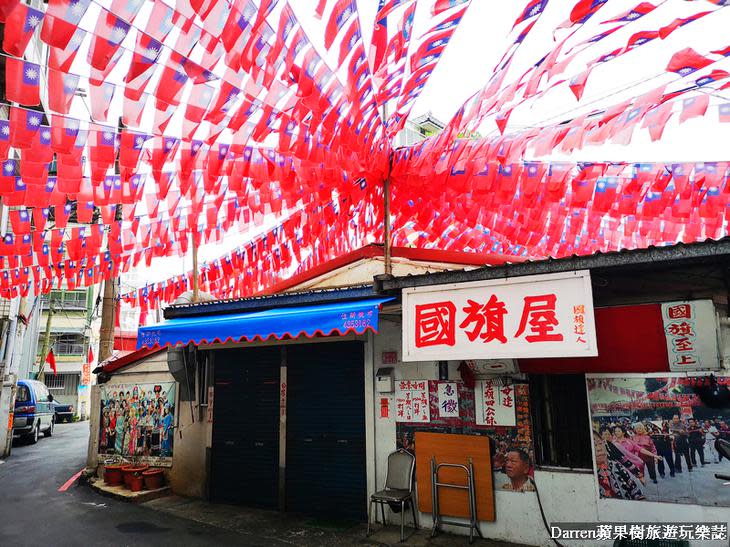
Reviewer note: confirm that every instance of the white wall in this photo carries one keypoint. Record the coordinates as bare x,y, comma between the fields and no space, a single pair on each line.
566,496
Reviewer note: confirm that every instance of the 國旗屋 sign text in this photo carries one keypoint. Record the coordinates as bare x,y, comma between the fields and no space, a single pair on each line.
527,317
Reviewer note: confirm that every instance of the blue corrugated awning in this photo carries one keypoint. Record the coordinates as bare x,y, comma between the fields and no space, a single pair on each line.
356,317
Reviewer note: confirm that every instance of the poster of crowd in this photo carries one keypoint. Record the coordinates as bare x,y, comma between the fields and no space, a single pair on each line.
137,420
511,446
657,439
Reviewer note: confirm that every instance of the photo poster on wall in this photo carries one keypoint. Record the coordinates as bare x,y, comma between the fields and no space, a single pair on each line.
511,447
137,420
656,438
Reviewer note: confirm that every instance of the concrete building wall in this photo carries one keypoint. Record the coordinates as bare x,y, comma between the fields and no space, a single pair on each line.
187,473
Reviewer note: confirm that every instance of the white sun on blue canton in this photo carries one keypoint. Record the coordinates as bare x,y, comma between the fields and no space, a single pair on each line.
118,33
31,73
33,21
34,121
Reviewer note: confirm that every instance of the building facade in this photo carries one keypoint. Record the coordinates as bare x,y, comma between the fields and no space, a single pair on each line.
72,327
304,395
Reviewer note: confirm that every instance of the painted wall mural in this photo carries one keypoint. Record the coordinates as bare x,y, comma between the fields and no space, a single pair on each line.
656,439
137,420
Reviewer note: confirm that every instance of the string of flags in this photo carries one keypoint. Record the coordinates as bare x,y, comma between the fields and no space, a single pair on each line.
206,119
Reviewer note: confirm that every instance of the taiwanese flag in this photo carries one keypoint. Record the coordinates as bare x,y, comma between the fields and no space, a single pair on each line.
100,97
22,82
62,58
4,139
236,23
198,102
532,9
146,52
287,23
172,81
24,125
51,360
131,147
226,99
444,5
656,120
585,9
109,33
40,149
163,149
160,22
724,113
7,176
7,6
640,38
61,90
126,9
694,107
103,149
64,133
21,23
680,22
69,177
430,49
341,13
578,83
61,21
633,14
687,61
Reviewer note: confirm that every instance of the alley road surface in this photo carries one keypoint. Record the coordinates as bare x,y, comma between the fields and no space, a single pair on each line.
33,511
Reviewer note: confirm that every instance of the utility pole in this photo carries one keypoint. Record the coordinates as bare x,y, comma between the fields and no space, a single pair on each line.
386,206
108,304
196,289
106,332
46,340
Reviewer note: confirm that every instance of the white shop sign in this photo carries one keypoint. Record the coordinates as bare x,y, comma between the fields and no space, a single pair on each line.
495,404
525,317
690,328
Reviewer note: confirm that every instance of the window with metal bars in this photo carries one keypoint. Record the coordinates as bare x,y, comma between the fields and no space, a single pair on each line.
561,432
55,381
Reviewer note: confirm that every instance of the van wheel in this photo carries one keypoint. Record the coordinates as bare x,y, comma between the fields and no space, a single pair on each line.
33,437
49,432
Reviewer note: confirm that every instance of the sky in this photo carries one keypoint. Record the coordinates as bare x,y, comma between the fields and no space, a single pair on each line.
468,62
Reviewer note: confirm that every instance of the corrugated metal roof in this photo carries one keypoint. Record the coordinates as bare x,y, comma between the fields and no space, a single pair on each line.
703,250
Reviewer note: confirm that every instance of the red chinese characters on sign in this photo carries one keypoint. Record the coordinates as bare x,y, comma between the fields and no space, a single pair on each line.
679,328
680,311
487,320
435,324
539,313
579,323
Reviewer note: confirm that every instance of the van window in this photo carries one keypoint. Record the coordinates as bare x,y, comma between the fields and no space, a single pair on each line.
41,392
22,395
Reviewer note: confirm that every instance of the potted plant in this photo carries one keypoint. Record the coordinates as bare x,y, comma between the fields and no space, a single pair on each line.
135,480
153,478
113,473
131,468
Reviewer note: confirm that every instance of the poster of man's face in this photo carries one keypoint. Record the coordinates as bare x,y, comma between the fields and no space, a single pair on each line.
661,438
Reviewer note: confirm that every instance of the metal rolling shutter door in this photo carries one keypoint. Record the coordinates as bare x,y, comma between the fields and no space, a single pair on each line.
245,455
325,463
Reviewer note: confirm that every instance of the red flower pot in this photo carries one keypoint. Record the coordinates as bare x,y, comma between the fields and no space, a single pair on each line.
135,481
113,474
129,470
153,479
